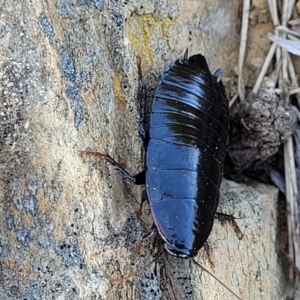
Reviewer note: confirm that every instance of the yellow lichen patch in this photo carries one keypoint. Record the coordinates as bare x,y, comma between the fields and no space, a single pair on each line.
118,92
140,31
164,27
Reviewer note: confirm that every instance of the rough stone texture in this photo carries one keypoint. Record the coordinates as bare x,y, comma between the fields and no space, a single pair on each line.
249,266
68,82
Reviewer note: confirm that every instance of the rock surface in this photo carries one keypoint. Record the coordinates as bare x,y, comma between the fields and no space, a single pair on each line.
69,82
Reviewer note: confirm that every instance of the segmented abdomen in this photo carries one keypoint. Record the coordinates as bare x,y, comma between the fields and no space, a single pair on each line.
187,147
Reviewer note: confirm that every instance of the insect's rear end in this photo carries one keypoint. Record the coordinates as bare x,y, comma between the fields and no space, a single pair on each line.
185,155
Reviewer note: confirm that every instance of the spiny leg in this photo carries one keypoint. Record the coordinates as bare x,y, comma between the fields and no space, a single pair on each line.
207,249
231,219
145,239
139,178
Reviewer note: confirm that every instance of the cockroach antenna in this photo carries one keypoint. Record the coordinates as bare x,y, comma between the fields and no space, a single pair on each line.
217,279
130,275
188,102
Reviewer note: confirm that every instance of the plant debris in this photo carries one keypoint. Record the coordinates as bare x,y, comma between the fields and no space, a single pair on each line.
260,124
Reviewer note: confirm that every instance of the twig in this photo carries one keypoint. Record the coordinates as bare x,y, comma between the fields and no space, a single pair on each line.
296,270
244,124
293,38
287,30
294,91
293,77
286,14
264,68
273,11
293,189
289,163
242,50
287,11
231,102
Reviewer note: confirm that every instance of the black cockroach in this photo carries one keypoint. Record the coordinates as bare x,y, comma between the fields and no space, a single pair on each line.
185,152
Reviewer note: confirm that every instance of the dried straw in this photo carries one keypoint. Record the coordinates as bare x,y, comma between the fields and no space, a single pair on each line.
287,81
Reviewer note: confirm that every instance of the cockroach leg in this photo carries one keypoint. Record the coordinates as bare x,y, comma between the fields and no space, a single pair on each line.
129,276
231,219
145,239
137,179
207,250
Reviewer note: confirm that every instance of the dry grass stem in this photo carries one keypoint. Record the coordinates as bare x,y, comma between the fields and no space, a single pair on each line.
264,68
293,204
287,30
273,11
294,91
242,51
289,161
293,38
293,78
287,81
233,99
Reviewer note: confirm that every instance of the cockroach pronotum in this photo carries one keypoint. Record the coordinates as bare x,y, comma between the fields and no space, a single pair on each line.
185,151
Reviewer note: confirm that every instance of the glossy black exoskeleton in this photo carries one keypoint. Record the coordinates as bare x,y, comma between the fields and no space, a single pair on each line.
185,155
185,152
